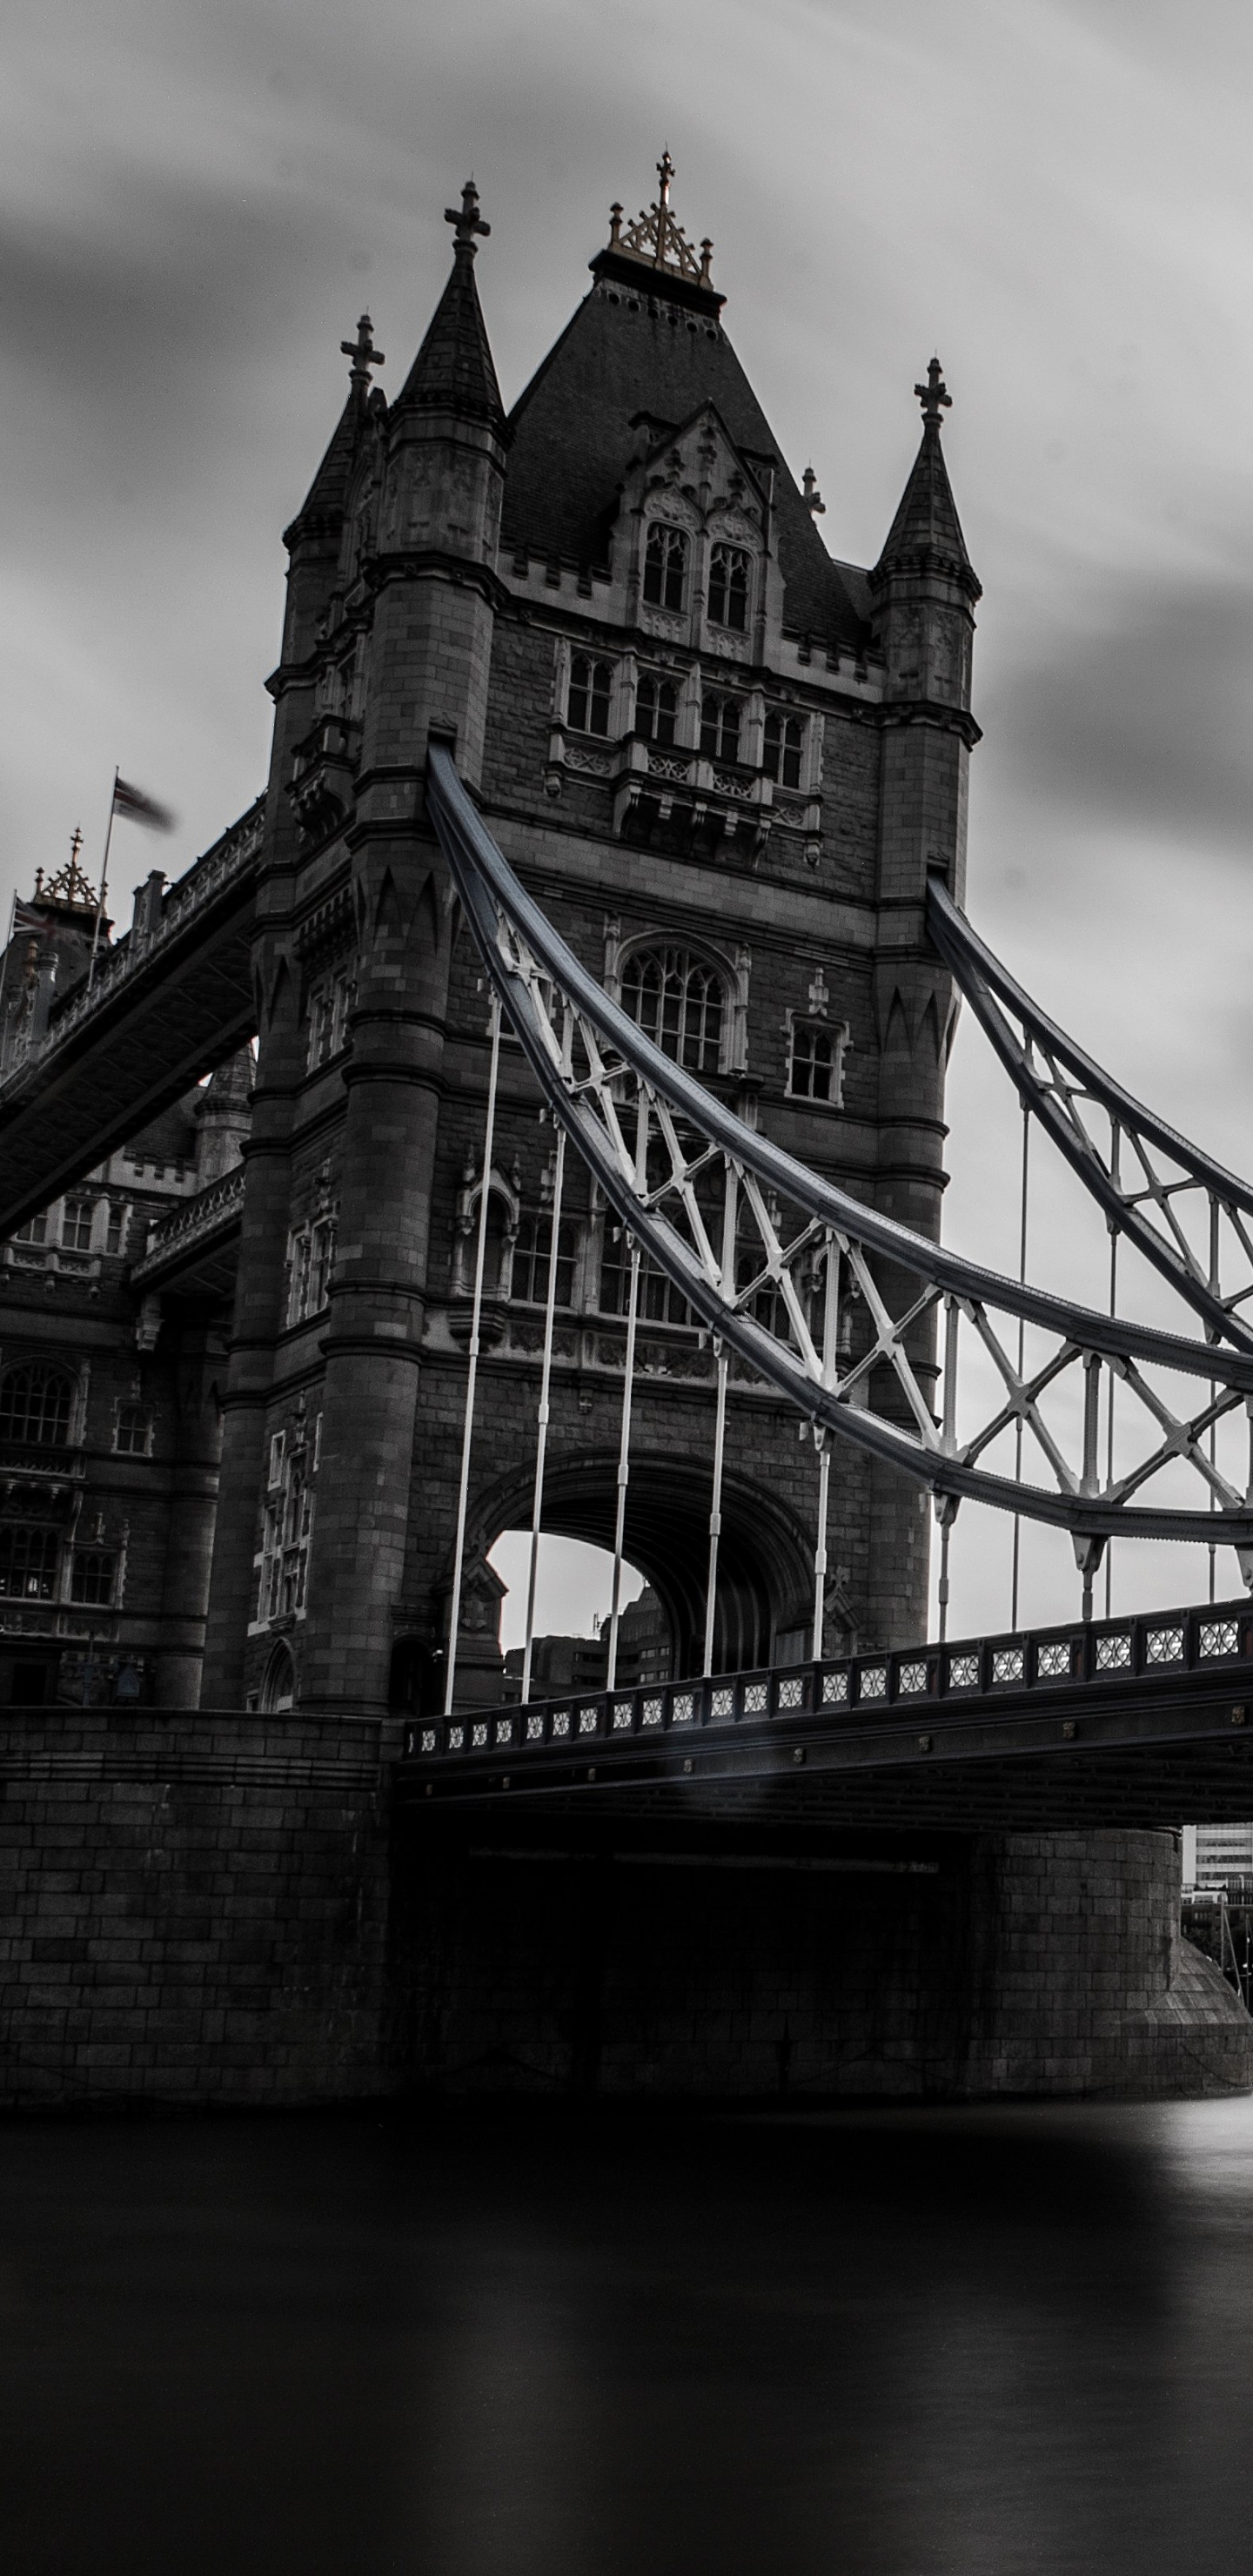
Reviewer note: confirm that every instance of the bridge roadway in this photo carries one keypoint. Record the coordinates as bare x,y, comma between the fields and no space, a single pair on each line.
167,1003
1136,1722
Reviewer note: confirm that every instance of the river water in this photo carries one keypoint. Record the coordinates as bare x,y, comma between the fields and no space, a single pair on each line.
871,2344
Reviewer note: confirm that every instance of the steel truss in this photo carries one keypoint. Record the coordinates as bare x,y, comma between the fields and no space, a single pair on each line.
1148,1179
821,1297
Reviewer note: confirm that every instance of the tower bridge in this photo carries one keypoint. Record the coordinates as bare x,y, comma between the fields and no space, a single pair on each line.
602,932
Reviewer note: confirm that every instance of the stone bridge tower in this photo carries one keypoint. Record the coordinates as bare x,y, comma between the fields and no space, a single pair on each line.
725,762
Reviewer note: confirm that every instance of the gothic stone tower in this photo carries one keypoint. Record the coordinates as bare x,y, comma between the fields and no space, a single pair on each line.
725,763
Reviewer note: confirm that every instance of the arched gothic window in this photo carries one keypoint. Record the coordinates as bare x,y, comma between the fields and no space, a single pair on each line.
781,757
728,588
665,565
719,727
587,699
278,1690
679,1002
656,707
35,1405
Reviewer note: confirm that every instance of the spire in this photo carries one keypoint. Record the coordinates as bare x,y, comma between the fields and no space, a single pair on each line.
453,369
926,529
323,506
364,355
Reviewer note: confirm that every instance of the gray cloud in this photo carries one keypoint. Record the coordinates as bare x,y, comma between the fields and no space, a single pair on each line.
1141,714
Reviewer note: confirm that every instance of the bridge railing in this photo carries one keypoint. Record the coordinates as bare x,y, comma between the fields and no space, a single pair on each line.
848,1688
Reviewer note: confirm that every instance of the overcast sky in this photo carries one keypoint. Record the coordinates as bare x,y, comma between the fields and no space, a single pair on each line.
198,201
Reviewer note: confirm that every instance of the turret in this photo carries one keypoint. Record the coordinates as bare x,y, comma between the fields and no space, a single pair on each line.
223,1118
924,591
439,526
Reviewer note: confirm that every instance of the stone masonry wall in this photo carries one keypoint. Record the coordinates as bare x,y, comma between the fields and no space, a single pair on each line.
192,1909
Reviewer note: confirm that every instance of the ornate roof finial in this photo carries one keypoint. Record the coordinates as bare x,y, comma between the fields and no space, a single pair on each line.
813,497
468,221
934,395
69,886
363,354
657,239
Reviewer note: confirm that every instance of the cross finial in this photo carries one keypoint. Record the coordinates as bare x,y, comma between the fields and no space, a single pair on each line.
468,221
934,395
363,354
665,173
76,843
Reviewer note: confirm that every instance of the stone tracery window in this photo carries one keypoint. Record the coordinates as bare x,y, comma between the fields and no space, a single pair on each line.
659,1302
132,1434
29,1563
311,1259
665,565
76,1224
680,1002
719,727
35,1405
92,1577
815,1068
728,587
532,1259
330,1003
656,710
781,757
588,695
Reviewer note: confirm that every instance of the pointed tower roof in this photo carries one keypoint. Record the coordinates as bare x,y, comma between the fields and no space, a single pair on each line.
323,504
648,341
322,509
453,370
926,530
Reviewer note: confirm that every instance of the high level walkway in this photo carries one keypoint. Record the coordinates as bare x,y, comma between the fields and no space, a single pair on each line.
165,1005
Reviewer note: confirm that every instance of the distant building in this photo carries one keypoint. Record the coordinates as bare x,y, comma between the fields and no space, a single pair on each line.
560,1664
645,1653
1214,1854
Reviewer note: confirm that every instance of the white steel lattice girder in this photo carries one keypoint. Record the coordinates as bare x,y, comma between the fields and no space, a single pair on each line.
684,1176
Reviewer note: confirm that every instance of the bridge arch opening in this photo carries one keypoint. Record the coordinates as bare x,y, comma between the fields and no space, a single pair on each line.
765,1574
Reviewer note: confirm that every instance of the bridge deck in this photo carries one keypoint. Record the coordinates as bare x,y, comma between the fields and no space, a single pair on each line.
1145,1720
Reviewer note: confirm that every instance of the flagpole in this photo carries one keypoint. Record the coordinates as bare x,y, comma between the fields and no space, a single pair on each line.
4,967
104,879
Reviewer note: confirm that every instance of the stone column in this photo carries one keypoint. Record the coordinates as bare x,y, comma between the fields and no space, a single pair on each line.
199,1372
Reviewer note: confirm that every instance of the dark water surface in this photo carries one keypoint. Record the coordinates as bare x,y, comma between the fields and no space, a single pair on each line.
866,2345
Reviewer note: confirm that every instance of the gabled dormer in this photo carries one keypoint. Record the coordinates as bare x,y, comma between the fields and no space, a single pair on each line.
693,553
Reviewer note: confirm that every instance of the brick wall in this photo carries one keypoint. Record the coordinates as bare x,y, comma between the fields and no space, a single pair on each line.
192,1909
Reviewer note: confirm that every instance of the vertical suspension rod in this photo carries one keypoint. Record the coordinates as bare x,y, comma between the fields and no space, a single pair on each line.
624,1469
730,1213
628,1385
830,1334
1213,1429
476,1317
1022,1349
1109,1437
946,1510
541,1436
